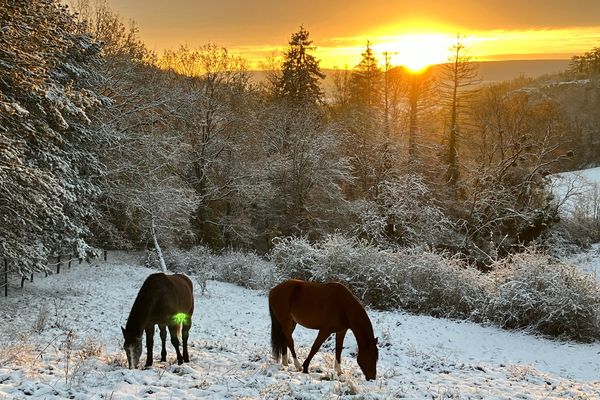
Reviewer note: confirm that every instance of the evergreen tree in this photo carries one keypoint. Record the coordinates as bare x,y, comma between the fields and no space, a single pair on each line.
48,164
457,76
300,75
587,64
366,80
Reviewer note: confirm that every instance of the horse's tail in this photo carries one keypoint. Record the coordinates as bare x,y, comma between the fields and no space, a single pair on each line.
278,342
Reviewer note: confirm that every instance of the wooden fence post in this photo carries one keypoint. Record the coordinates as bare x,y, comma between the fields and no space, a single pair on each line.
5,277
105,254
58,264
22,281
31,279
70,260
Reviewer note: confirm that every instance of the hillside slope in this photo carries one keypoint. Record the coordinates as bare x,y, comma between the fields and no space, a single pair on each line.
77,351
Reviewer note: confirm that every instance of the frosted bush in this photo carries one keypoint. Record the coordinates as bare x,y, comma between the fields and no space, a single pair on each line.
411,279
243,269
294,256
195,262
403,213
525,291
538,292
441,286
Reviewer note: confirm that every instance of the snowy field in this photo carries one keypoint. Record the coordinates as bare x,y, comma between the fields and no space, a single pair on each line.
60,338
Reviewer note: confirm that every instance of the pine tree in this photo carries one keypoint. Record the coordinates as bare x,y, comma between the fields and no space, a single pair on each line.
458,75
366,80
587,64
48,165
300,75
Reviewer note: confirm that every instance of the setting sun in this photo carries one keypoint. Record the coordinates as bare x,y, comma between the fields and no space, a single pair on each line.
417,51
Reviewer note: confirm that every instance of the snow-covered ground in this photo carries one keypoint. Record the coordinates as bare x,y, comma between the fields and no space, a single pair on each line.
76,352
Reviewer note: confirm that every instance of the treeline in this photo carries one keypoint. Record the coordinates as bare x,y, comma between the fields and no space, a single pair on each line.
105,143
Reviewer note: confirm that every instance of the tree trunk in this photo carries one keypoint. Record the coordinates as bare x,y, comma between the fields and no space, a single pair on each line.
159,253
412,131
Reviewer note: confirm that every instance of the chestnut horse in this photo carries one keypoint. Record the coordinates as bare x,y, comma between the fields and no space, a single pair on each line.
166,301
328,307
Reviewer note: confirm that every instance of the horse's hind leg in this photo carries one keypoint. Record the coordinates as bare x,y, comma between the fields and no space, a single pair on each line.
163,340
284,354
287,331
339,345
185,334
175,342
149,345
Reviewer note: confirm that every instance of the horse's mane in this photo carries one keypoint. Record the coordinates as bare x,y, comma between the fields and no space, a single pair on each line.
141,305
361,312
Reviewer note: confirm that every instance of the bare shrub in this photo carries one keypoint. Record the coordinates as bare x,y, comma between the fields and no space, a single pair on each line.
41,319
89,348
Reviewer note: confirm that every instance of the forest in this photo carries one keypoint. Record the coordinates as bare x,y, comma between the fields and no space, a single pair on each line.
107,145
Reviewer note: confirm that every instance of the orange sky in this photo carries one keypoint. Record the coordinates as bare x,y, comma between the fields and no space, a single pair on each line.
255,29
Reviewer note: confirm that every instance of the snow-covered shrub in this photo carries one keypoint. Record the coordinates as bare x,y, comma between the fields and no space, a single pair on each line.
565,239
538,292
195,262
294,257
403,212
243,269
370,272
441,286
412,279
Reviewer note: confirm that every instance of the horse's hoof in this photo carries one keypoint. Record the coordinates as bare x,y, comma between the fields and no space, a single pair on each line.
179,362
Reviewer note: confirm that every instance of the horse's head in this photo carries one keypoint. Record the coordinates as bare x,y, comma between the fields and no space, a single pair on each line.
132,347
367,359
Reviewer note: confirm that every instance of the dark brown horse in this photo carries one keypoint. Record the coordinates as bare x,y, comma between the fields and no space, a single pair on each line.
328,307
166,301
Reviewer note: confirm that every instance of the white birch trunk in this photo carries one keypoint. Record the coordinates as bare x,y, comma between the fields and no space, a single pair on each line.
159,254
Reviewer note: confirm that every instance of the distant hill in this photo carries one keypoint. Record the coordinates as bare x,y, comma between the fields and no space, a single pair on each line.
497,71
490,71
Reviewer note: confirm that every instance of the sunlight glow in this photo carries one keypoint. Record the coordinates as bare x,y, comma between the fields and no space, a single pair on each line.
417,51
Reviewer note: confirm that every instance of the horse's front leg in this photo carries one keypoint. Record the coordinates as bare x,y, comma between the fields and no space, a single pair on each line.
175,342
315,347
149,344
163,340
339,345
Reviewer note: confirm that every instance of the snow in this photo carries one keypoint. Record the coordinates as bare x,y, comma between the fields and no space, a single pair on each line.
589,261
77,352
580,185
